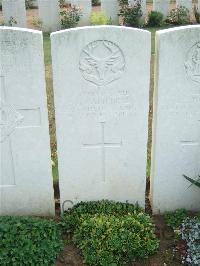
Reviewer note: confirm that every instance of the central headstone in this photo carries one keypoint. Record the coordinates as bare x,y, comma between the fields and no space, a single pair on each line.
101,82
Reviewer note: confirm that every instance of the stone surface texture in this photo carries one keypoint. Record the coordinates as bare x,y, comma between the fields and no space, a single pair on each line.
26,185
49,15
14,11
101,83
186,3
176,134
86,9
162,6
111,9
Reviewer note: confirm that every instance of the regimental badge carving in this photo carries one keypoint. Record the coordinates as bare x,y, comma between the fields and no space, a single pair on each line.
102,62
9,120
192,64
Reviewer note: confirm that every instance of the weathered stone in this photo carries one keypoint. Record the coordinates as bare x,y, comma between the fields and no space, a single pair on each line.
111,9
176,136
49,15
162,6
14,12
101,83
86,8
26,186
185,3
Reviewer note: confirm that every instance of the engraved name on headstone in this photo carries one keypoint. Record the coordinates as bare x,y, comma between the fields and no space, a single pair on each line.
101,101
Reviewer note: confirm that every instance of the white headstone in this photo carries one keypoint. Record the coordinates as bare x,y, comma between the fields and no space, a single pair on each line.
14,12
49,14
162,6
86,9
111,9
199,4
101,100
143,5
185,3
26,186
176,137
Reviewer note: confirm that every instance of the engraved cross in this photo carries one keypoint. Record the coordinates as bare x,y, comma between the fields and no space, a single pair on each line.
191,142
10,120
103,145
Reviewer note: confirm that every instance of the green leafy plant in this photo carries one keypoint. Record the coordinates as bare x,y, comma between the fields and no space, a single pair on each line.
155,19
71,217
179,16
99,18
28,241
96,2
29,4
37,23
174,219
115,240
123,3
193,181
12,22
131,14
70,17
2,23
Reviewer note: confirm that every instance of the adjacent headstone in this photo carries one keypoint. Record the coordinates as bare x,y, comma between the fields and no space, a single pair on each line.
162,6
176,137
199,4
143,5
49,14
185,3
86,9
111,9
101,84
14,12
26,186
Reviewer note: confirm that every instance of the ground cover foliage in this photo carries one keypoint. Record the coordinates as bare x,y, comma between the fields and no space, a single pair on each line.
110,233
187,229
190,233
29,241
